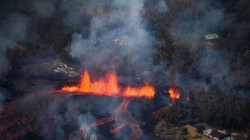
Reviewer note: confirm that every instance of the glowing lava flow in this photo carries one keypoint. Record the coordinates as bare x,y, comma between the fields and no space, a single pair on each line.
160,112
122,116
109,87
174,94
146,91
29,114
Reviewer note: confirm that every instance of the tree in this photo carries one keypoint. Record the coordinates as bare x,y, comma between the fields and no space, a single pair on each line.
184,131
200,128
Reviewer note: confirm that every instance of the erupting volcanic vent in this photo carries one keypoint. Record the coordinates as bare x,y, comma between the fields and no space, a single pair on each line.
29,114
109,87
174,94
122,115
100,87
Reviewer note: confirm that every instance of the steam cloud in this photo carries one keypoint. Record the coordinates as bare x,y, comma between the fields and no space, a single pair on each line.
120,42
162,6
103,49
203,59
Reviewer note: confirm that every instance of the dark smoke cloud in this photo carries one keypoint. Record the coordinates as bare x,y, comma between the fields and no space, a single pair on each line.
44,8
195,60
15,27
4,63
75,12
4,69
4,94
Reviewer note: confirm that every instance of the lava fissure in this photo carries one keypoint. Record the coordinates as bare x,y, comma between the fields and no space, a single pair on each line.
160,112
174,94
109,87
122,116
24,115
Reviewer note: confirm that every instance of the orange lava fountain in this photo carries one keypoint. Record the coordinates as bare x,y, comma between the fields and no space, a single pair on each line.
100,87
145,91
109,87
174,94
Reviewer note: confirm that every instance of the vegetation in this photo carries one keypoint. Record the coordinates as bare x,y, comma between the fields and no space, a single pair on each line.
165,131
193,135
184,131
200,128
217,97
218,91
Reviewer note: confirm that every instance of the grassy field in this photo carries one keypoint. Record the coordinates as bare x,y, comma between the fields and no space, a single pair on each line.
194,135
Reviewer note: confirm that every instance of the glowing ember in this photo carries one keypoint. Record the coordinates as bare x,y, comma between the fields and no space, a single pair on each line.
109,87
174,94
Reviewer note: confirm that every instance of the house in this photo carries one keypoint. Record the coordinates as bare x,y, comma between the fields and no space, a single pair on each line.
216,134
5,43
207,132
64,69
211,36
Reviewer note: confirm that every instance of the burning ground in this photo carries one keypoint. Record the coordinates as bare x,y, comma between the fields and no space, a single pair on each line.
47,112
122,69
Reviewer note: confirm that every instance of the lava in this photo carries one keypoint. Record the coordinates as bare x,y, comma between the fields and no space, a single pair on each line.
122,116
145,91
99,87
174,93
109,87
28,114
160,112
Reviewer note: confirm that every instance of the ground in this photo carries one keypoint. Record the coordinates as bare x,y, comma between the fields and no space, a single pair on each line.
194,135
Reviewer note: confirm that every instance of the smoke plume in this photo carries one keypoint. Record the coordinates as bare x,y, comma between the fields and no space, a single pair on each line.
15,27
117,41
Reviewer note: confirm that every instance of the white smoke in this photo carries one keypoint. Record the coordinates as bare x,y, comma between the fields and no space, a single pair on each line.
100,50
162,6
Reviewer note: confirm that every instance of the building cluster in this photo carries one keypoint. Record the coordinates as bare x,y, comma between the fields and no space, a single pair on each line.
219,134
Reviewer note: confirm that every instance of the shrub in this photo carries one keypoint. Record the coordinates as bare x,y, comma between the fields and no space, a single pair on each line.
184,131
200,128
